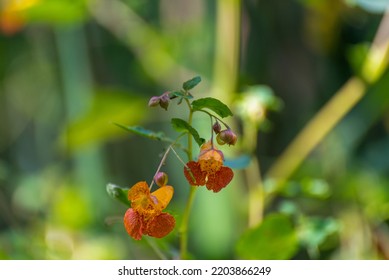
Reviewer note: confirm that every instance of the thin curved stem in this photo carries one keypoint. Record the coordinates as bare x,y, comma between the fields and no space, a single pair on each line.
216,117
179,158
160,165
211,130
164,158
190,142
155,248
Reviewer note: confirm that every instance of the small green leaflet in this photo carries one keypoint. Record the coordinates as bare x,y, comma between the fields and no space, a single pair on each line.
146,133
213,104
191,83
181,94
182,126
118,193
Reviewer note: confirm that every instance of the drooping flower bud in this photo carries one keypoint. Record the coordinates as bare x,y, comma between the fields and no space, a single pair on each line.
161,179
164,101
154,101
226,136
216,127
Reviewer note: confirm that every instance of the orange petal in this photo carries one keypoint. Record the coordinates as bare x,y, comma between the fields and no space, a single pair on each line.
220,179
141,201
133,224
195,176
206,146
139,190
160,225
163,195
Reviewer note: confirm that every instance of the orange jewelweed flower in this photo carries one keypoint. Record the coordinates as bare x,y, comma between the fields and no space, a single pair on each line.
209,169
145,216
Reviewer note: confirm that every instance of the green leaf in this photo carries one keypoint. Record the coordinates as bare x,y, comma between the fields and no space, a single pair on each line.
181,94
191,83
275,239
118,193
182,126
213,104
160,136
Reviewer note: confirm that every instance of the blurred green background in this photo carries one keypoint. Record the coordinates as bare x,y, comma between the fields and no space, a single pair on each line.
69,69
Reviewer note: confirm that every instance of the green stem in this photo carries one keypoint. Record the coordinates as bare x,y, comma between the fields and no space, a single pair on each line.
185,219
185,223
253,175
190,142
256,193
155,248
216,117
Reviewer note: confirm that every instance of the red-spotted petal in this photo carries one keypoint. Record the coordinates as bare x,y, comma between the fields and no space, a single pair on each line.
160,225
220,179
211,161
133,224
195,176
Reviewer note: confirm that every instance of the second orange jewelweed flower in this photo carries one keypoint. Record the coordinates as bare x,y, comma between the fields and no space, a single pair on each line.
145,216
209,169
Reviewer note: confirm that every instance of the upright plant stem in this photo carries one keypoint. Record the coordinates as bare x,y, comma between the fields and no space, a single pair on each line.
253,175
375,64
185,223
185,219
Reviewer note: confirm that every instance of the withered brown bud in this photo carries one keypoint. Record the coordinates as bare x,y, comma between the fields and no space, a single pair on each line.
216,127
164,101
154,101
161,179
226,136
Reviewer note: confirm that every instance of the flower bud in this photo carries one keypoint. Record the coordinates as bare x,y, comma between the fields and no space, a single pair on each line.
226,137
154,101
216,127
164,101
161,179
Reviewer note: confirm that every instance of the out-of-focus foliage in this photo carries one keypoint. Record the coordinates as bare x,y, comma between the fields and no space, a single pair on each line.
377,6
97,125
70,70
273,239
